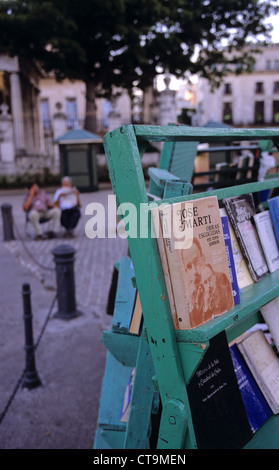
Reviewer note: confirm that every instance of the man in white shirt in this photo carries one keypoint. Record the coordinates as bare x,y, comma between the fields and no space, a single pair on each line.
67,199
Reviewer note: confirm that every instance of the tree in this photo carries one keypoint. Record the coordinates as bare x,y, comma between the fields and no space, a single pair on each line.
126,43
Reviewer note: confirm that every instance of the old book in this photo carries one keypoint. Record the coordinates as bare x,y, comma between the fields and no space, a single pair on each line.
270,313
263,364
218,413
257,409
197,261
243,275
241,210
267,238
273,205
158,233
136,319
229,252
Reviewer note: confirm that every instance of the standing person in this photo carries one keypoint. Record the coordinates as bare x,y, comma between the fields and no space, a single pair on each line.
38,204
67,199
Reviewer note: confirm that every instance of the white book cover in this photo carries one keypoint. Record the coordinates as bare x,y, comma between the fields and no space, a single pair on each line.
267,238
270,313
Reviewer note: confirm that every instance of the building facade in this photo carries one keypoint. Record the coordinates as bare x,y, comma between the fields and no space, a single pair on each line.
21,137
246,100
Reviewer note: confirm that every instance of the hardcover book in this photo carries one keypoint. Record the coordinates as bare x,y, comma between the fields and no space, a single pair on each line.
264,365
199,278
218,413
228,245
257,409
243,275
241,210
273,205
270,313
267,238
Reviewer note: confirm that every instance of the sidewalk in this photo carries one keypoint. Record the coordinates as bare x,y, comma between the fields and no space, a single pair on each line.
70,358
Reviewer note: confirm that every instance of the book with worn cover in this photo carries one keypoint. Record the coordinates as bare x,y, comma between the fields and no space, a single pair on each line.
229,251
241,210
197,263
263,364
217,409
270,313
257,409
267,238
273,204
157,226
243,275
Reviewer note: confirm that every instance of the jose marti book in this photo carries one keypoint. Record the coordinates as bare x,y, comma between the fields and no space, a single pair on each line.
194,248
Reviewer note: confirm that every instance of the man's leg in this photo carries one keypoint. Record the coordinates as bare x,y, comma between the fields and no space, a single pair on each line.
54,214
34,217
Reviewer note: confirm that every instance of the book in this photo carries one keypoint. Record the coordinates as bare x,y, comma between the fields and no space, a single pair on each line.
197,263
257,409
158,233
243,275
263,364
273,204
241,210
229,252
267,238
136,319
270,313
127,398
218,413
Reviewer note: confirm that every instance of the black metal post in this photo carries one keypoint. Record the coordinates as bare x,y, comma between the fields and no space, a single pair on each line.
65,279
31,378
7,217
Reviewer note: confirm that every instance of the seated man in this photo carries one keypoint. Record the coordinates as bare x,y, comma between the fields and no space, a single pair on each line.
67,199
38,204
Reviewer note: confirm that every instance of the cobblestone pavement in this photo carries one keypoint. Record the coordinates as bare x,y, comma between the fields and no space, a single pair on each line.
62,413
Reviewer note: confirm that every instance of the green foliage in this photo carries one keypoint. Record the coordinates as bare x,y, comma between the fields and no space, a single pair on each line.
126,43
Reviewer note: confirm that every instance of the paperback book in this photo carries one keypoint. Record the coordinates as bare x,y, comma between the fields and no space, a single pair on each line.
229,251
267,238
218,413
241,210
257,409
243,275
198,272
270,313
264,365
273,205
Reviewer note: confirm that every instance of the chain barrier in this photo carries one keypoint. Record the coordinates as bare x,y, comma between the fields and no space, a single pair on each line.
27,250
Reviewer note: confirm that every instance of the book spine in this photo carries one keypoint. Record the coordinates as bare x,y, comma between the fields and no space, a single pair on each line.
274,212
240,242
229,252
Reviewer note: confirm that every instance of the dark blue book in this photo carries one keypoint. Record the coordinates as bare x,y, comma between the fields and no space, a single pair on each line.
273,205
256,406
229,252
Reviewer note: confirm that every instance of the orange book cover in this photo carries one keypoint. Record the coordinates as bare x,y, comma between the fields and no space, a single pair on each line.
197,260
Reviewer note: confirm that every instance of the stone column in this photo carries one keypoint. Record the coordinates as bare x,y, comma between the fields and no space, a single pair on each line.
17,111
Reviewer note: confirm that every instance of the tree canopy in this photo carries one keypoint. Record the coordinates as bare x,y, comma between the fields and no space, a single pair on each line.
126,43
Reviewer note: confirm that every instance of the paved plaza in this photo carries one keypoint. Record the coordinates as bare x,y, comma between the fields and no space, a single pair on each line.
70,357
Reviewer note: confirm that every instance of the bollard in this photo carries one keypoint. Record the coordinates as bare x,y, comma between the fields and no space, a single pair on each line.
64,263
7,217
31,378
